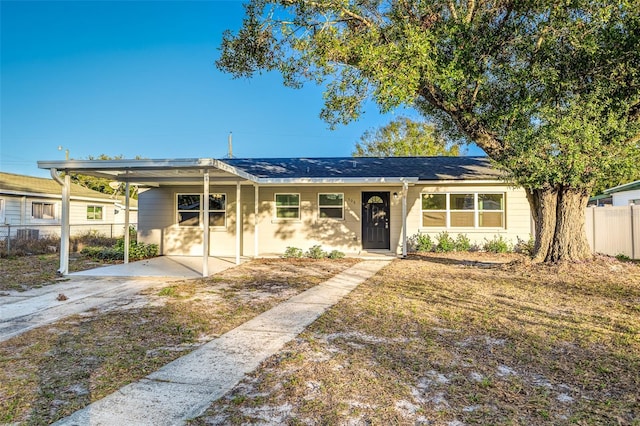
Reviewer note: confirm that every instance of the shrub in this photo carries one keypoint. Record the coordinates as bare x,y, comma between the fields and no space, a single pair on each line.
292,252
336,254
462,243
525,247
137,251
497,245
316,252
444,243
27,246
623,257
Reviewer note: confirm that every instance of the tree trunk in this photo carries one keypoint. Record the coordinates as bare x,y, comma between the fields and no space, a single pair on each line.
558,215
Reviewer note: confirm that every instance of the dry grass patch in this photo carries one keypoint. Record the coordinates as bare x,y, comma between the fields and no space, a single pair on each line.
21,273
52,371
460,339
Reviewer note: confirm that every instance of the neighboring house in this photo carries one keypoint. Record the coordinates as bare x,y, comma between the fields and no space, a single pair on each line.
31,207
355,205
624,195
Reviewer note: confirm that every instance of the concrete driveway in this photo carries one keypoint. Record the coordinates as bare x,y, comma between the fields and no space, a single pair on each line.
103,287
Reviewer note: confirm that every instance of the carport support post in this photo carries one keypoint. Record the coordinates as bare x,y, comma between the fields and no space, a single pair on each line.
256,214
66,229
238,222
405,188
127,238
205,235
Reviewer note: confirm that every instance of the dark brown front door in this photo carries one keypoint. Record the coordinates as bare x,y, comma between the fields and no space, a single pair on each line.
375,220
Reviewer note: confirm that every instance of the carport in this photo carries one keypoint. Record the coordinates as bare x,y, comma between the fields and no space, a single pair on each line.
149,173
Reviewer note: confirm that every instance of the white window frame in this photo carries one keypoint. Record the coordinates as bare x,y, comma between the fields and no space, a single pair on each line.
44,219
341,206
476,210
95,206
275,199
201,210
2,215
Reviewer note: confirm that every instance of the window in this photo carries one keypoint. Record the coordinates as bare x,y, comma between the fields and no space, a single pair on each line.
217,210
42,210
461,210
464,210
331,206
94,212
491,210
287,206
190,210
434,210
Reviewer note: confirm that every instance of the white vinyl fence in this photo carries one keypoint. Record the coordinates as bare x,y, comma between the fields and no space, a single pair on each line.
614,230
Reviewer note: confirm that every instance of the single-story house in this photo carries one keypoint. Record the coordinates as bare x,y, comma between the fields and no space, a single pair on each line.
259,207
32,207
624,195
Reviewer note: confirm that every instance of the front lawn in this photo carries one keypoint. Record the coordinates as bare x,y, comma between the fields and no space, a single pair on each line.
50,372
453,339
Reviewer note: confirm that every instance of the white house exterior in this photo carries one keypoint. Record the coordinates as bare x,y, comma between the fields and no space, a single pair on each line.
259,207
32,206
624,195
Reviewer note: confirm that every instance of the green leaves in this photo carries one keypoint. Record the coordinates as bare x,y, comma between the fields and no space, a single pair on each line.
550,90
404,137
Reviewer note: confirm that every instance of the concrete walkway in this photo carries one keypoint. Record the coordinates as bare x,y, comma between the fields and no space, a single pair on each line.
100,287
185,388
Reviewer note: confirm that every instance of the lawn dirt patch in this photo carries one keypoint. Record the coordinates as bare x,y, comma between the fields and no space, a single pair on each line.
50,372
455,339
21,273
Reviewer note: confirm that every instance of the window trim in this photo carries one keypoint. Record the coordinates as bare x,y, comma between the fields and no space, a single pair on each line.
201,211
476,210
95,206
341,207
275,203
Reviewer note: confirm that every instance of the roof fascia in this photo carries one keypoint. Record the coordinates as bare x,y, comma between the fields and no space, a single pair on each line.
624,187
102,167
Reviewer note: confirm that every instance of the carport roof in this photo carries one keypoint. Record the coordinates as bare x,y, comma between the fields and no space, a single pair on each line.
286,170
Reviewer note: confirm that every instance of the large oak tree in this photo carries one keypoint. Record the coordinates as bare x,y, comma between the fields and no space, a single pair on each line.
549,89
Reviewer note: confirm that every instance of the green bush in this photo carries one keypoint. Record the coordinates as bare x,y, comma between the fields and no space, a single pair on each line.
497,245
525,247
316,252
137,251
336,254
419,242
462,243
444,243
292,252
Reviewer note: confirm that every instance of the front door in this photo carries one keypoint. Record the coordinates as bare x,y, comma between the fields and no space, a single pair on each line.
375,220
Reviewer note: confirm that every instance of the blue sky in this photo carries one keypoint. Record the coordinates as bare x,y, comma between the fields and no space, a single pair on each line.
138,78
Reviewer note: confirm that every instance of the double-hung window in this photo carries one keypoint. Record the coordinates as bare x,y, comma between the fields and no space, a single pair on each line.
41,210
287,206
94,213
331,206
463,210
190,210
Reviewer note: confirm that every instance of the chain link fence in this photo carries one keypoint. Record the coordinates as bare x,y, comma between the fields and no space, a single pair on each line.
17,235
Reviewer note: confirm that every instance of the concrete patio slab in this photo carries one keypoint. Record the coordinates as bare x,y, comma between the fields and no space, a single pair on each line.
162,266
184,388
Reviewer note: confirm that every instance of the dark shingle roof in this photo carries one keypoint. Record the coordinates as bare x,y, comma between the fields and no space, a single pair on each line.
424,168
